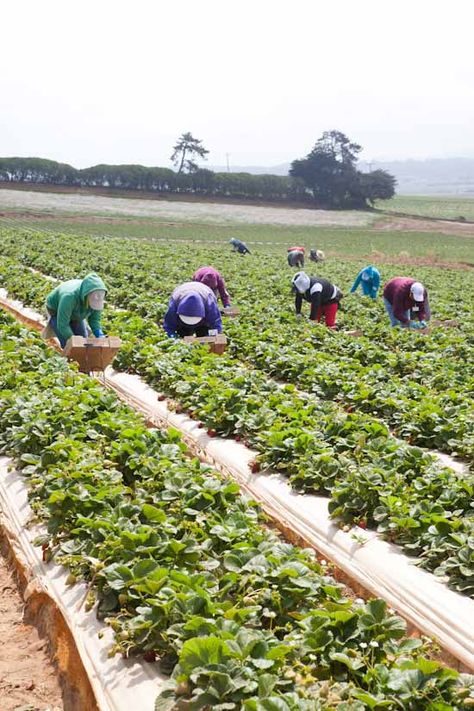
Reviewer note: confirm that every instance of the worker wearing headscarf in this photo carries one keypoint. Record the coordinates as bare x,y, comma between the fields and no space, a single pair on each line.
369,279
406,302
296,256
73,305
239,246
323,296
192,310
214,280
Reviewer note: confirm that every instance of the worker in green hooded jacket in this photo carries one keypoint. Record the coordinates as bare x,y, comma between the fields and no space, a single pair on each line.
74,304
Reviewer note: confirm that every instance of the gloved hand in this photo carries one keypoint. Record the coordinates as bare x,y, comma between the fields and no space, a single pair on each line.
98,333
172,335
228,306
417,325
299,315
423,324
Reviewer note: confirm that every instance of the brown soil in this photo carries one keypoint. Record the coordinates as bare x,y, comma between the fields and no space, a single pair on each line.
414,224
28,680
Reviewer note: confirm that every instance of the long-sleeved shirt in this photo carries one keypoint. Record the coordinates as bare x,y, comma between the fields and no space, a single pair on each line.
370,276
397,291
212,316
321,292
239,246
210,276
69,302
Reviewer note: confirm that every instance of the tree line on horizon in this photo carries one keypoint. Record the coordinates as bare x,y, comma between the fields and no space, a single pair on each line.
326,178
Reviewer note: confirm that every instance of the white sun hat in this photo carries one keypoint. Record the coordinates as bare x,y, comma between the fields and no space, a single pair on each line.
190,320
418,291
97,299
301,282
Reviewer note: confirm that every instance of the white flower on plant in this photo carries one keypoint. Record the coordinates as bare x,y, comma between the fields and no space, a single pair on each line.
374,643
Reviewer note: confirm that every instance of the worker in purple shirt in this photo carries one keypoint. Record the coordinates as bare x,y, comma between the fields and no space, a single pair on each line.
214,280
192,310
406,302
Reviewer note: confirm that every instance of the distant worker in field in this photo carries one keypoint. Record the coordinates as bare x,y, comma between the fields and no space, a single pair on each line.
192,311
296,256
316,255
323,296
406,302
369,278
239,246
215,281
73,305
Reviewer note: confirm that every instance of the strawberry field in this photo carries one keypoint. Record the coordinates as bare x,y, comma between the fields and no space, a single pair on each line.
179,563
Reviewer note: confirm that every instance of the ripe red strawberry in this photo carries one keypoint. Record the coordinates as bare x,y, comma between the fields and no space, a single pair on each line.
255,467
150,656
200,424
211,432
362,523
237,438
161,397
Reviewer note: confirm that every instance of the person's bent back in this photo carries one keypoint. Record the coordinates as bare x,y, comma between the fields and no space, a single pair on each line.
192,310
73,305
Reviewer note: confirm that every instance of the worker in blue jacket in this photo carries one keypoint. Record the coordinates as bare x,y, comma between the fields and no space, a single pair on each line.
369,277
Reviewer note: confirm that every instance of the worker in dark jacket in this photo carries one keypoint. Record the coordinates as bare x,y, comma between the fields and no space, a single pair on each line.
406,302
369,279
238,246
316,255
296,257
74,305
192,310
213,279
323,296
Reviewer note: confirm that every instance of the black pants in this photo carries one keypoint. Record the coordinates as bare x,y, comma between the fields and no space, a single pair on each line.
201,329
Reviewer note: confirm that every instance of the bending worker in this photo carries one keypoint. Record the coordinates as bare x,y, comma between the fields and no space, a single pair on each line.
213,279
369,277
192,310
74,304
406,302
296,256
239,246
323,296
316,255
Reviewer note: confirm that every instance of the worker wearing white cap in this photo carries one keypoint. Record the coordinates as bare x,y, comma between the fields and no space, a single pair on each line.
192,310
406,302
323,296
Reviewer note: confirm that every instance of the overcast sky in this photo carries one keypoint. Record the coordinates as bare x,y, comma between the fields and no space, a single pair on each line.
106,81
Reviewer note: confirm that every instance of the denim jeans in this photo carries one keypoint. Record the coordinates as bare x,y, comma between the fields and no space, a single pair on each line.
79,328
394,321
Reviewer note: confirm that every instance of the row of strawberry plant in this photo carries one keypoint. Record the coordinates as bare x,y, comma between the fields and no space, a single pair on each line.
371,478
403,382
183,569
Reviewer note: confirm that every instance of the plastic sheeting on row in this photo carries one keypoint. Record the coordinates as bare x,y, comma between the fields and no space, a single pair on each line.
118,684
378,567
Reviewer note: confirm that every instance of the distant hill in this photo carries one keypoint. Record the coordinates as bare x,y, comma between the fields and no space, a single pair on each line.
433,176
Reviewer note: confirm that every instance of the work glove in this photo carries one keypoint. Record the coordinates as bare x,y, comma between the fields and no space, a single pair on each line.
299,315
172,335
228,306
98,333
417,324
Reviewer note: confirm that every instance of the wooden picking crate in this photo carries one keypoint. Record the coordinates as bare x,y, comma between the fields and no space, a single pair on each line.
217,344
232,312
92,354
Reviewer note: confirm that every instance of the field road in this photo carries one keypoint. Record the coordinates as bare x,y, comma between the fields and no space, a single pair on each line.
172,210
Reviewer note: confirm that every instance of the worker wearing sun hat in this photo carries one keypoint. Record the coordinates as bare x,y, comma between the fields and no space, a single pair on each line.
406,302
192,310
323,296
74,305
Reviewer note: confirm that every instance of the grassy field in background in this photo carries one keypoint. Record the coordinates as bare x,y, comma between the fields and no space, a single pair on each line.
430,206
336,241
